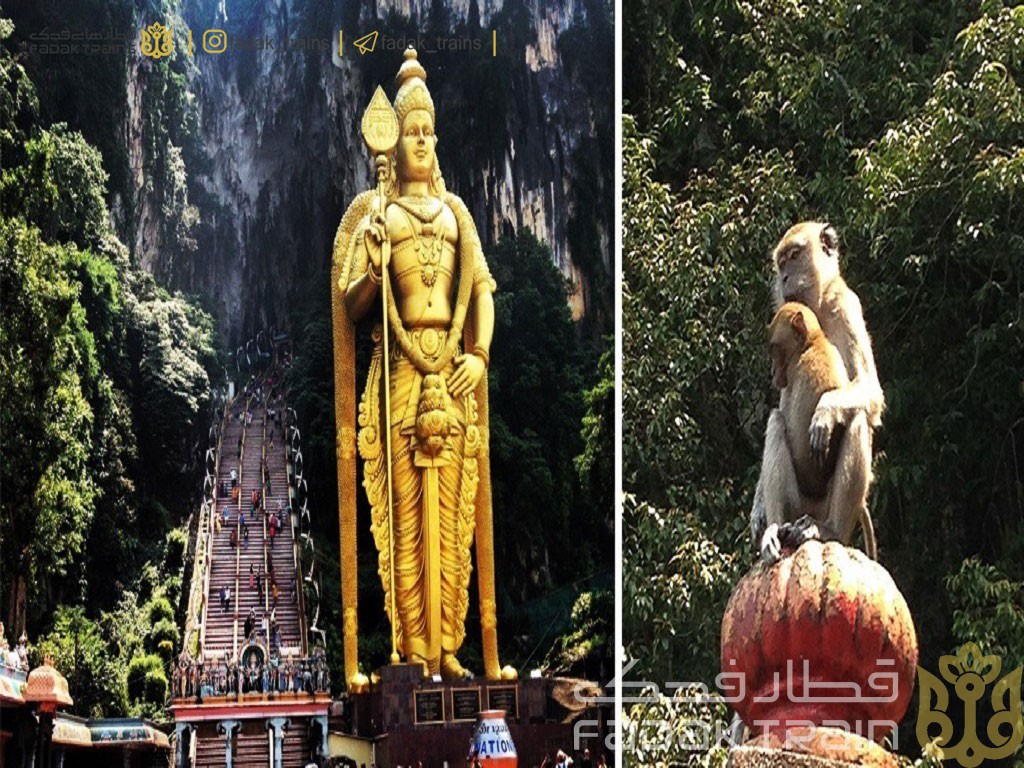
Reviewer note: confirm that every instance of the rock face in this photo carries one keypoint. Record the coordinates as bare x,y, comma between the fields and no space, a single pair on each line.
275,152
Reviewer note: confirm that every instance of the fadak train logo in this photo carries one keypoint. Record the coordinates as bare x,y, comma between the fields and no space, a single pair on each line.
970,673
156,41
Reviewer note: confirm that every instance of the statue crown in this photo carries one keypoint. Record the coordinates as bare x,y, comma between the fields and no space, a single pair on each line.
412,87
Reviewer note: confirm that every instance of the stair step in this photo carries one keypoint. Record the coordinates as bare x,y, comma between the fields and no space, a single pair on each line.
230,565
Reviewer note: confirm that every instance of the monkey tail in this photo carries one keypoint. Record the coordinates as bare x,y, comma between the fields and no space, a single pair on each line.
868,526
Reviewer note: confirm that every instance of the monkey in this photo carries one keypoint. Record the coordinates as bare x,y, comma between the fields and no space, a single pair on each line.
805,365
806,268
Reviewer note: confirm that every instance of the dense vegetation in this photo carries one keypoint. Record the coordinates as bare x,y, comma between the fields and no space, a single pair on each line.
106,383
902,124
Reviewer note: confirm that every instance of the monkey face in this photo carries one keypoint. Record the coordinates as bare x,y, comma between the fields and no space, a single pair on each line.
780,360
806,260
782,345
787,338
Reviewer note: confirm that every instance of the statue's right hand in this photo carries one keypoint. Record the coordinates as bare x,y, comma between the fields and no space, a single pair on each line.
375,236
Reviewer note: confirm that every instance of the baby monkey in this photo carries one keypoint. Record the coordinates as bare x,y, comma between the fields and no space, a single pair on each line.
805,364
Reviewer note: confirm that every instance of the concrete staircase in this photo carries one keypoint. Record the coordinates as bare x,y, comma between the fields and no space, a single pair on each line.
282,551
252,750
261,465
295,746
263,457
219,627
210,753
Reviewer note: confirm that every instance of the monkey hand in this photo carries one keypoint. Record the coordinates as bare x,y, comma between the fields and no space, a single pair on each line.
823,424
788,536
796,533
771,547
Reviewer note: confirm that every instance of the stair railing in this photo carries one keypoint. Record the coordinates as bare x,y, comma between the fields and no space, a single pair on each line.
203,554
294,524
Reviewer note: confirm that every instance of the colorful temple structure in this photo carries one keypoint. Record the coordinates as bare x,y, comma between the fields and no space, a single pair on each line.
34,733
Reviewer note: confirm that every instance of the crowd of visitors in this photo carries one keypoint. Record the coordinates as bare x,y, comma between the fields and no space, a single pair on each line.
260,666
276,520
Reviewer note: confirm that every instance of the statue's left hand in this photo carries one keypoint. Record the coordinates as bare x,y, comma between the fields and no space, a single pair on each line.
469,369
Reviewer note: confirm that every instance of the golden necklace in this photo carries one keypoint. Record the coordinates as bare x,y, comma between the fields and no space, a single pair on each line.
426,208
468,248
429,247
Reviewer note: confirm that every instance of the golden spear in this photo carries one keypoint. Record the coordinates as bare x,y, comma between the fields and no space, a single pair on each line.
380,132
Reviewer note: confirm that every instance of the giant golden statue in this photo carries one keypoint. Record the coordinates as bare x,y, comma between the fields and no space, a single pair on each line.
422,419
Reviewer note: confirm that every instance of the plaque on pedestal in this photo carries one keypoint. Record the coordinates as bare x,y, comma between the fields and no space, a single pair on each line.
504,697
420,717
428,707
465,704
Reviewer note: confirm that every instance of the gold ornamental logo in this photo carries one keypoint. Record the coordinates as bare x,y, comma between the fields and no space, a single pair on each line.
156,41
970,673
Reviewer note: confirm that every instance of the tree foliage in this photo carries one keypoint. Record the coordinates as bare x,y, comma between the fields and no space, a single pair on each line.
597,464
539,370
79,650
901,124
47,362
585,650
147,683
105,377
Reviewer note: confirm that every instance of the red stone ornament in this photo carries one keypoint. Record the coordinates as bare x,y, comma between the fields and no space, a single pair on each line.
822,637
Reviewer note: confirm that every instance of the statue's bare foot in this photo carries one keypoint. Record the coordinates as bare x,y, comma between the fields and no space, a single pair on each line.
415,658
508,672
451,669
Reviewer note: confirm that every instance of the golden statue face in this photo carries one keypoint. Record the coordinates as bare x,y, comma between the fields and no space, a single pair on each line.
416,146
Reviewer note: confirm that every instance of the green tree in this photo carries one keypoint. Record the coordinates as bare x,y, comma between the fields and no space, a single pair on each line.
585,651
47,360
596,465
147,684
536,382
106,379
19,110
988,609
170,345
63,183
80,653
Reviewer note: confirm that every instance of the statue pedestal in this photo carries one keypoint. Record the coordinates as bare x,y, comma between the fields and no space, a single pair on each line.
409,717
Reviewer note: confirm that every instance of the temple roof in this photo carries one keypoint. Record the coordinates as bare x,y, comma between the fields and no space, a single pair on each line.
12,685
47,687
71,732
127,732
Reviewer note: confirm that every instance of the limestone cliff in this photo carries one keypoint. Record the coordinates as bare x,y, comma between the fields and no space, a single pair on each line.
277,151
